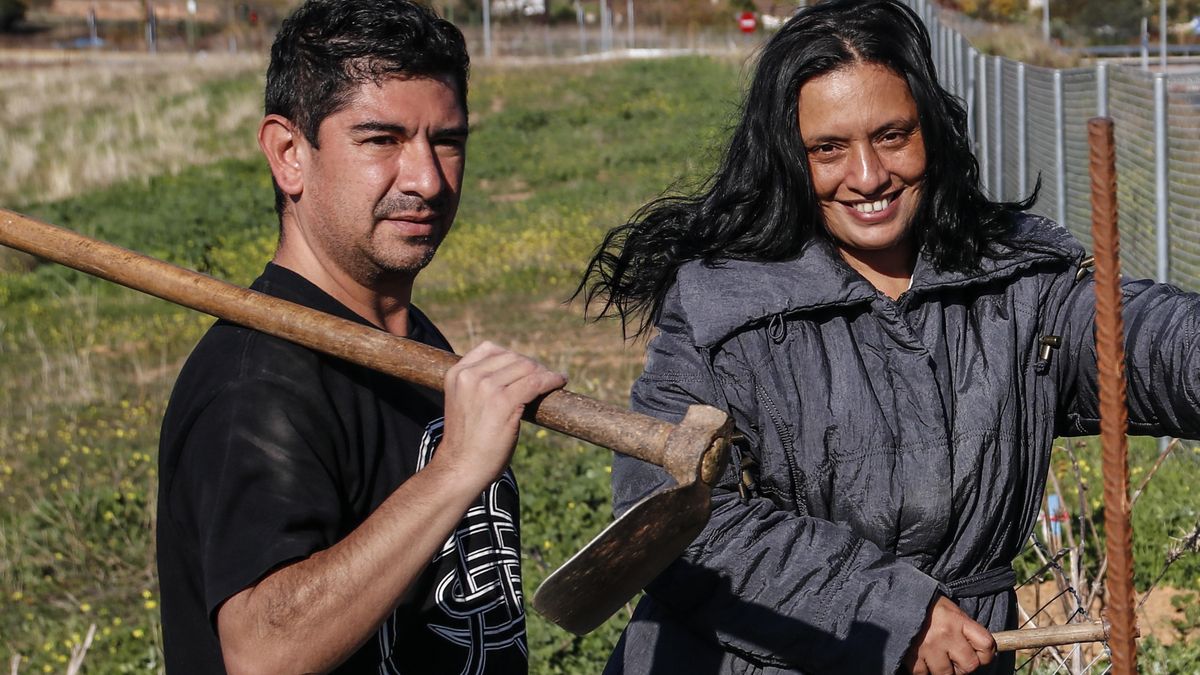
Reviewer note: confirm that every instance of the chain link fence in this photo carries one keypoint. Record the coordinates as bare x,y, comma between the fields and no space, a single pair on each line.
1029,123
530,39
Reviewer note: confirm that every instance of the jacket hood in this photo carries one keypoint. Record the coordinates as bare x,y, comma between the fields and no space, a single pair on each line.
720,297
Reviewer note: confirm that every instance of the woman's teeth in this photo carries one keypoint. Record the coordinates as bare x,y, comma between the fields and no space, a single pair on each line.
872,207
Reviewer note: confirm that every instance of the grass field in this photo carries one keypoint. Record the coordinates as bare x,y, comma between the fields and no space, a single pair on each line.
558,155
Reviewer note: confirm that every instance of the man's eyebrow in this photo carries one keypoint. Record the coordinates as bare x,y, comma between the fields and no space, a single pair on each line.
401,130
383,127
452,132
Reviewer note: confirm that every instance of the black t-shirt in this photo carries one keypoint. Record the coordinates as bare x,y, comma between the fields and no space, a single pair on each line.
271,452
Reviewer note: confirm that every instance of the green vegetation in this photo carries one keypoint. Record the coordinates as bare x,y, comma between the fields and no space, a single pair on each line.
557,156
1163,515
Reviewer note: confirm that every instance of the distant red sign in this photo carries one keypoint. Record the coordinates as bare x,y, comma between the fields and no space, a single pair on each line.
746,22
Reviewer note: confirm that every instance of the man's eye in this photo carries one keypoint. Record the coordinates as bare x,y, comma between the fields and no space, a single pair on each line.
381,140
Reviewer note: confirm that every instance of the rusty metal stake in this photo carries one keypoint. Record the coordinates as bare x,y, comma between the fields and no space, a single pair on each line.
1114,417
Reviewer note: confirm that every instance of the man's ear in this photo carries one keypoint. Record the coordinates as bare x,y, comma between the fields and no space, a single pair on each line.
281,142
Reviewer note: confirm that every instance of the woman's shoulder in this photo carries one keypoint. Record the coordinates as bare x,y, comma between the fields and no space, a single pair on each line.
1033,233
715,298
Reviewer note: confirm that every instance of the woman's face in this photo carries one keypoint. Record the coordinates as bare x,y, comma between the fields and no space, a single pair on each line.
866,156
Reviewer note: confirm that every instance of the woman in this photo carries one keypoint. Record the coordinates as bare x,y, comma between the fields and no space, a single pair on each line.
873,323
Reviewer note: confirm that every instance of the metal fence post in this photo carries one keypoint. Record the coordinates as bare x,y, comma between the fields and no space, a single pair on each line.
956,63
981,125
1161,159
1162,35
1060,144
487,28
945,46
1102,89
972,104
1162,204
1022,143
935,43
629,23
959,81
998,118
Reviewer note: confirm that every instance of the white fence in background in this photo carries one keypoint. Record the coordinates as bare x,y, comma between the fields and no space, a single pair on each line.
1028,121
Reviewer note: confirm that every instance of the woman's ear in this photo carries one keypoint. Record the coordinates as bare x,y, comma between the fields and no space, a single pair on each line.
280,141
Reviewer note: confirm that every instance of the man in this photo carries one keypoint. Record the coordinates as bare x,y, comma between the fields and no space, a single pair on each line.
315,515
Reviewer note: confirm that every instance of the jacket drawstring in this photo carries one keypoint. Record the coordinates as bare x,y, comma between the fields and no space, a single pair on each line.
777,329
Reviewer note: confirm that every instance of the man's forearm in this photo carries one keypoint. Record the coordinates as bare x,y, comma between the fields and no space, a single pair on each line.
313,614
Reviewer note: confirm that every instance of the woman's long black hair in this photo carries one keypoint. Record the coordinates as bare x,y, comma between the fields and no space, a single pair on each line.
759,204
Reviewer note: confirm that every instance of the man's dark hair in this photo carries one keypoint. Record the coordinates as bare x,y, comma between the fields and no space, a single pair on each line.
760,204
327,48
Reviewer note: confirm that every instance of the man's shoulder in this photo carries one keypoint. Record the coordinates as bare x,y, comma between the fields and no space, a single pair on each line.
237,368
229,353
230,358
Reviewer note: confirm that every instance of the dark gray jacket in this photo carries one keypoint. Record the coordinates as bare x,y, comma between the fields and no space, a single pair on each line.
901,446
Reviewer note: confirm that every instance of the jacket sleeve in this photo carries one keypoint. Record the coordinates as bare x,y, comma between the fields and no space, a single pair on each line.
1162,360
768,584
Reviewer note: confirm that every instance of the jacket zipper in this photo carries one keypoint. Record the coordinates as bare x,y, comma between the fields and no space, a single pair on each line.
786,436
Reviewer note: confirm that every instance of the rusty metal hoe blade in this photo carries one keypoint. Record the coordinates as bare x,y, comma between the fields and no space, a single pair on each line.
623,558
628,554
693,452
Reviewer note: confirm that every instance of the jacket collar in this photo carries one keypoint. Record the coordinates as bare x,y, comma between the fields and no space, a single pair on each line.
719,298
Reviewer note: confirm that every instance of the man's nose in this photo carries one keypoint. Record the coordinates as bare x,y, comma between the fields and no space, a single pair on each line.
420,172
866,173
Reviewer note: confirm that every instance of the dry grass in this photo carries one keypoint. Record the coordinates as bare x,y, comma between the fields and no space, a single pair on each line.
72,125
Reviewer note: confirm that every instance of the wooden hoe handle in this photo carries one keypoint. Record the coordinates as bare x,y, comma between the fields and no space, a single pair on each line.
1050,636
606,425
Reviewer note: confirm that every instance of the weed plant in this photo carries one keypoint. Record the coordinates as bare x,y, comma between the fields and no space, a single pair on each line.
1068,567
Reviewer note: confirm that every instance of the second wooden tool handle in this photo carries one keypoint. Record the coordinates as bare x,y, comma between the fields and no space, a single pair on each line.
1036,638
594,421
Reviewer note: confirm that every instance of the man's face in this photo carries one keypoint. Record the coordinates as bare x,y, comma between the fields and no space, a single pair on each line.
866,155
381,191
